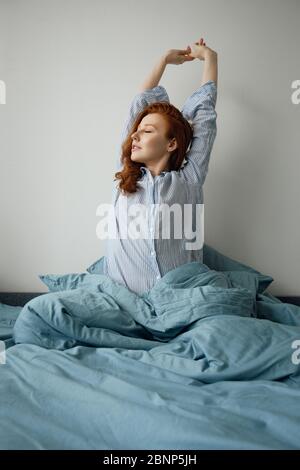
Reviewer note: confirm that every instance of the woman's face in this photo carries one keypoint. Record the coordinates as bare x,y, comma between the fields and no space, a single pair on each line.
151,140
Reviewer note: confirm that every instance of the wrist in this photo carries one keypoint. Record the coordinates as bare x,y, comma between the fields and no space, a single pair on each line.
163,60
210,54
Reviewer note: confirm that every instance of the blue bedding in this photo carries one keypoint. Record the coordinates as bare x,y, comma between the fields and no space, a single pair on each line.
204,360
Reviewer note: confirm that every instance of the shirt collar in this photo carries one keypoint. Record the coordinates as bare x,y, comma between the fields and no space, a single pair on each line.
144,169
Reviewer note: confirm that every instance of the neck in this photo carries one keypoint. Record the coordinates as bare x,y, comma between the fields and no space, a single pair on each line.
157,168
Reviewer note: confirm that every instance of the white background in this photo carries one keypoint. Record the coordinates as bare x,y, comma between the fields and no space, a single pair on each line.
71,68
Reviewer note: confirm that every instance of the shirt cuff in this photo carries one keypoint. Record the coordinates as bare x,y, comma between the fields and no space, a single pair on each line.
205,96
158,92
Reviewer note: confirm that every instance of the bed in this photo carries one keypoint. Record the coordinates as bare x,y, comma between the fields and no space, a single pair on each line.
207,359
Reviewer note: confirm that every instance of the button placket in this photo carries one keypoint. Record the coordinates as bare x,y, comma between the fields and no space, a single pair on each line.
153,228
151,225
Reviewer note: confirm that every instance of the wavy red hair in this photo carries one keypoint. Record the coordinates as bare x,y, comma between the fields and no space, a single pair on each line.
177,126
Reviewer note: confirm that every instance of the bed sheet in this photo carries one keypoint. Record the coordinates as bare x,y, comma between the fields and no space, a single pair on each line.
198,362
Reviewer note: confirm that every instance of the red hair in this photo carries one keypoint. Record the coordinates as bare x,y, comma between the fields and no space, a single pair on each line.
177,126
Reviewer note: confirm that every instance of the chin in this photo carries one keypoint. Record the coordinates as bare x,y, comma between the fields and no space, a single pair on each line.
135,159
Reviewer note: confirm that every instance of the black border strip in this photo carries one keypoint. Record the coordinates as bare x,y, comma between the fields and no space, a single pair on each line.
19,299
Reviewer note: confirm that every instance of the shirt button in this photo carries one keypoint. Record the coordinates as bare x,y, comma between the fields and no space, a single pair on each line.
158,276
152,253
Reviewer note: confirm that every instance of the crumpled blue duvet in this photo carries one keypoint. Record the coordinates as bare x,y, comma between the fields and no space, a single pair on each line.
192,364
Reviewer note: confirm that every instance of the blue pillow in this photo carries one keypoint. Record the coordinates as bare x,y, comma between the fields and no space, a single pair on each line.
238,273
97,267
58,282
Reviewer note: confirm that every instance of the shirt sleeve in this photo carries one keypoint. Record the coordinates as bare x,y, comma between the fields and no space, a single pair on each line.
199,109
138,103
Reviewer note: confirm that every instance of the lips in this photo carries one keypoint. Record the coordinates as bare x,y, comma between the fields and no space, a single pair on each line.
135,147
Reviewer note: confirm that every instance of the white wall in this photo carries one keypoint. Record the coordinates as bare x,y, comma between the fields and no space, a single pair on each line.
72,66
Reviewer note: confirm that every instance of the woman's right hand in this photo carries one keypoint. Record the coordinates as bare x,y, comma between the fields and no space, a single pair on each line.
199,50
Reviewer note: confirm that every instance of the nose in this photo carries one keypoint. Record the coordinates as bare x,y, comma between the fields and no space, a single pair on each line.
135,141
134,135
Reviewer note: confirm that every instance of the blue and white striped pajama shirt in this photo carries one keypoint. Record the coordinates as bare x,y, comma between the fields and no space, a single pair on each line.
139,263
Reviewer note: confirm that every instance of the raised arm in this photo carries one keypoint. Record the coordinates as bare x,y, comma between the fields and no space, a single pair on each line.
200,51
172,56
156,73
199,109
210,70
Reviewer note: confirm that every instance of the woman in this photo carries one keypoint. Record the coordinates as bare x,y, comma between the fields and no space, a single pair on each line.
153,172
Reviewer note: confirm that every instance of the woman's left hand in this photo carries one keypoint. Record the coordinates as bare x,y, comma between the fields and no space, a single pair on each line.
178,56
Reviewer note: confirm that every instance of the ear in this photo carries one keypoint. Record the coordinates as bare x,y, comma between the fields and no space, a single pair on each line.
173,145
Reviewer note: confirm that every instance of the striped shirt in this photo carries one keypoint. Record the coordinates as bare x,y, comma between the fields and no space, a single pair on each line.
139,263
